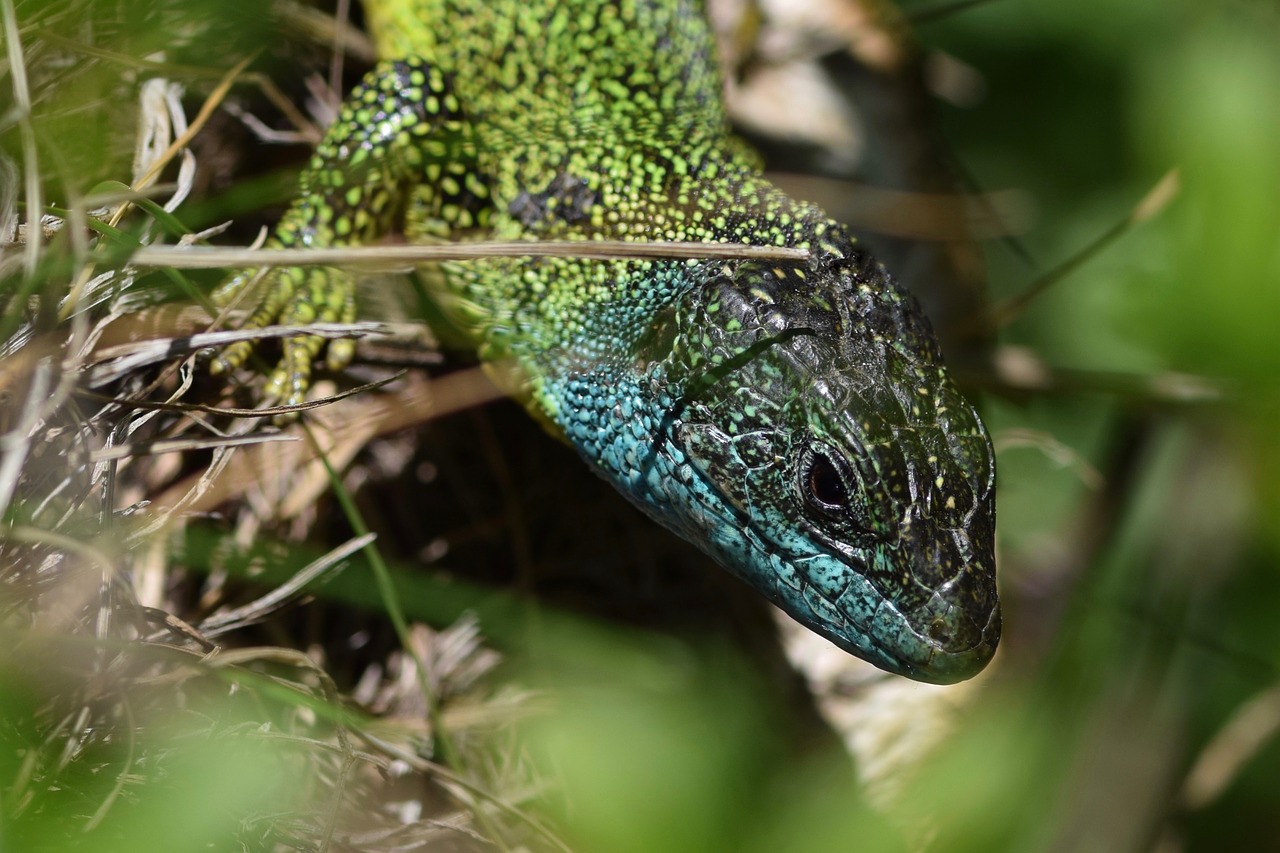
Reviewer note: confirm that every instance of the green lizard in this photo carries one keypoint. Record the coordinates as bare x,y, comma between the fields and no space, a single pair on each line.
793,419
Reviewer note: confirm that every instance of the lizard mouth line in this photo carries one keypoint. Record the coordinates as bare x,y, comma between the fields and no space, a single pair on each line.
838,632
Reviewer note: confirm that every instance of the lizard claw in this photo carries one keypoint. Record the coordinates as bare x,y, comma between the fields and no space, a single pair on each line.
230,357
292,297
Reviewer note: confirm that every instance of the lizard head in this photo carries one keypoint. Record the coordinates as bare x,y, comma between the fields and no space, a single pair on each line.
832,464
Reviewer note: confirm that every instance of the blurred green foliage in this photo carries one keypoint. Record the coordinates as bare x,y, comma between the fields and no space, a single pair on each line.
1167,574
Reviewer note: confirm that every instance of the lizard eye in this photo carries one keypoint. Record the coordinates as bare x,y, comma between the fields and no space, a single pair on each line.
824,478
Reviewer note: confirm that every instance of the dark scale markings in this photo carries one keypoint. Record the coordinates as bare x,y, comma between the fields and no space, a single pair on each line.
704,390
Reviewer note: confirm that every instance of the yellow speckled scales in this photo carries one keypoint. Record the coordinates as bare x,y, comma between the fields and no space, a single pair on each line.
792,418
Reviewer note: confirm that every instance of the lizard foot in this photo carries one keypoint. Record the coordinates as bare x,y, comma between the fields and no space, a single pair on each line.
292,296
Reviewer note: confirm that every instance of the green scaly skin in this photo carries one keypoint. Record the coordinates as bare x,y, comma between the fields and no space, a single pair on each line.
792,419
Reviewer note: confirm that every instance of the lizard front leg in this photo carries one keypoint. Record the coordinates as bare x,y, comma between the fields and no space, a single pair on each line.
400,132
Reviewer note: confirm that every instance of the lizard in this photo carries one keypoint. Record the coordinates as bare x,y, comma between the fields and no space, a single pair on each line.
793,418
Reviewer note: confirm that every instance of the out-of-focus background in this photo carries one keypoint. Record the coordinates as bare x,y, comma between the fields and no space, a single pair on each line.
526,663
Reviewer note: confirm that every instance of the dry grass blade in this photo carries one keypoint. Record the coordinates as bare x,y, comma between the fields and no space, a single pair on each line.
176,625
182,445
40,380
423,765
259,609
269,89
324,28
395,258
1223,758
1062,455
915,215
119,361
62,542
206,112
153,172
22,99
1018,369
265,411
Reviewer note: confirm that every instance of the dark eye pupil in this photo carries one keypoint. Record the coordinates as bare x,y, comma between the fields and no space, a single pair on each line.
826,487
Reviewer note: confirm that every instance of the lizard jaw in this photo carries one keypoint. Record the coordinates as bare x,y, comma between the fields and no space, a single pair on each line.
949,637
